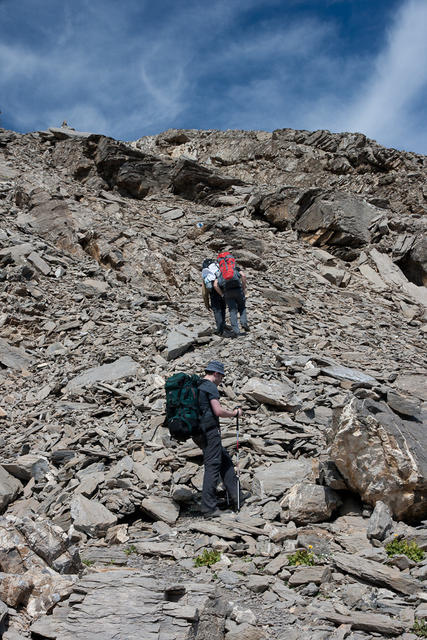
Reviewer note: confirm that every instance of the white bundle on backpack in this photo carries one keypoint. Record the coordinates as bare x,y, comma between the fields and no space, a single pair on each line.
210,274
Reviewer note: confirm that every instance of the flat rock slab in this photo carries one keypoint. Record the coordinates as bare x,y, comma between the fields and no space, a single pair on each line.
90,516
62,133
122,368
345,373
126,604
17,252
13,357
28,466
179,340
374,622
214,529
159,549
277,478
38,262
416,385
161,508
273,392
305,575
91,287
377,573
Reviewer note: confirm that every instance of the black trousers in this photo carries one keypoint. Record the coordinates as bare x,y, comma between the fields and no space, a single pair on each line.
218,308
218,464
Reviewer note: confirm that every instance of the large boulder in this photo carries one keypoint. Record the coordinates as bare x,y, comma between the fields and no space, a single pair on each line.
381,456
337,219
130,170
193,181
28,466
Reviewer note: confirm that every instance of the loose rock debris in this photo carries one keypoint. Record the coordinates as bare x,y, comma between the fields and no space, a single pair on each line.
101,244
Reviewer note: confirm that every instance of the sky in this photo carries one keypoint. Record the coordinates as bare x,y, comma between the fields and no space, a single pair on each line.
130,68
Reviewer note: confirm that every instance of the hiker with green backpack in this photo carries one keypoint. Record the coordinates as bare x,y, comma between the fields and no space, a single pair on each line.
193,410
216,459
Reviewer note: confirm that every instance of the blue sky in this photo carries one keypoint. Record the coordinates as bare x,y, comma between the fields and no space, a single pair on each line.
128,68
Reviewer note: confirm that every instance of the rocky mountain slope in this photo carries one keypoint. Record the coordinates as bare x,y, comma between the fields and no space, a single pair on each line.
101,244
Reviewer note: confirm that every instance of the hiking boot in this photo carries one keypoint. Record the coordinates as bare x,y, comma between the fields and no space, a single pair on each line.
245,327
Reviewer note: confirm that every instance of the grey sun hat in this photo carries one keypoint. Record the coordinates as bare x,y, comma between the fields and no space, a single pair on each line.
215,367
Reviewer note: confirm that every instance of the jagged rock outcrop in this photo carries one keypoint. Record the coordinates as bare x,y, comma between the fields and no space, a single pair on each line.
382,456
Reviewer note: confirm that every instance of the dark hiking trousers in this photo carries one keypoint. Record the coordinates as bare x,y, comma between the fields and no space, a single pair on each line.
218,308
235,299
218,464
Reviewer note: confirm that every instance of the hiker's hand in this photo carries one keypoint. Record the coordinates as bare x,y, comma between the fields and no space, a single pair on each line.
237,411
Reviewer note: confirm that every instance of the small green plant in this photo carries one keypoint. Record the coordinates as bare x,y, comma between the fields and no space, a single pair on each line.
131,549
207,558
420,628
403,547
302,556
88,563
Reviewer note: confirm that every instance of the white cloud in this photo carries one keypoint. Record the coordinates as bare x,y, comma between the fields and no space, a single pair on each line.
135,71
383,110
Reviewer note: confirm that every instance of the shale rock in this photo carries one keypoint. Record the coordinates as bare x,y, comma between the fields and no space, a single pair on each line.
337,219
277,478
381,456
10,488
101,244
91,517
275,393
305,503
380,522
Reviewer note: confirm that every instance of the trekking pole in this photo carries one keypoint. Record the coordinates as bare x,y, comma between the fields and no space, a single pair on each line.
237,460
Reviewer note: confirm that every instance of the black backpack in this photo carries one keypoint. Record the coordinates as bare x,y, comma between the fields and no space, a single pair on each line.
182,406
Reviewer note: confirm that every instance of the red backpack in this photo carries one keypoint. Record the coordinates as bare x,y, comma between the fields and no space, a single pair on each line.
229,277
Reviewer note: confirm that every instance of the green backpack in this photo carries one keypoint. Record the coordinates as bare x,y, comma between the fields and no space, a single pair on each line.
182,406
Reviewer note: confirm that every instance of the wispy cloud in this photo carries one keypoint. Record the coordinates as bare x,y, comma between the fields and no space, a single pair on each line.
398,79
134,68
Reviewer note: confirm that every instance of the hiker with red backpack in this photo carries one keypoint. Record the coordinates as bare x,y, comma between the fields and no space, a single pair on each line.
231,284
211,298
